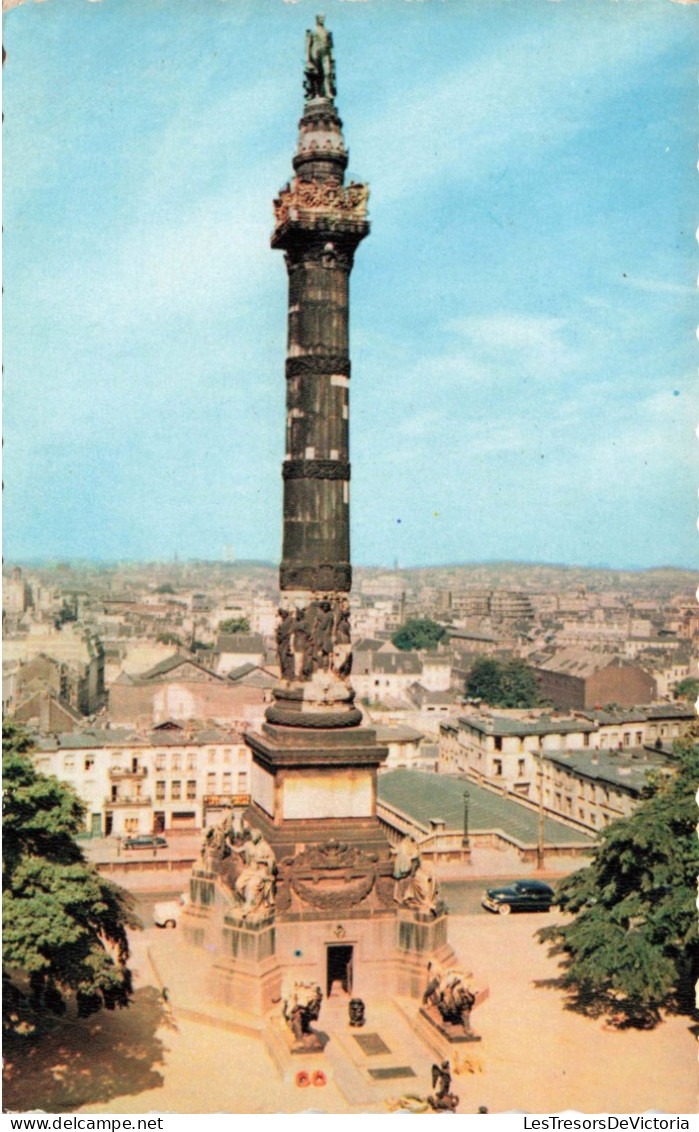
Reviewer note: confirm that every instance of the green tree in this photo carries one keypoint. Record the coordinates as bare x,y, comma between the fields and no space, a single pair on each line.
687,689
519,686
418,633
632,948
484,681
169,638
64,924
508,685
234,625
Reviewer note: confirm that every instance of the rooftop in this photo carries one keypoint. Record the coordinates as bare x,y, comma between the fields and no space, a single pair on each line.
541,725
628,771
240,643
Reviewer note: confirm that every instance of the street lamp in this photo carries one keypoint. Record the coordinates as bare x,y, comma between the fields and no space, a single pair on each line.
467,798
540,830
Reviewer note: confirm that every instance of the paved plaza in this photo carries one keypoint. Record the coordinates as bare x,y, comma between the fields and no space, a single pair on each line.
535,1055
424,796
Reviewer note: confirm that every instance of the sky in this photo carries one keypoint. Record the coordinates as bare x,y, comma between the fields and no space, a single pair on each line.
522,313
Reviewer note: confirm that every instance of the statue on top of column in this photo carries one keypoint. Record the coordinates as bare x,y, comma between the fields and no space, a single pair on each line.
319,74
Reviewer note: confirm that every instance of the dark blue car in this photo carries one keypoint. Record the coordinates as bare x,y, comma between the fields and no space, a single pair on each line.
519,896
146,841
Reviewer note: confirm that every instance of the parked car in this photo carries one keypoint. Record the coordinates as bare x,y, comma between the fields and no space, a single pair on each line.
146,841
519,896
167,913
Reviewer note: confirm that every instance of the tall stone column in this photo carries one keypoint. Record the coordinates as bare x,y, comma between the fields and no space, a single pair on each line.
319,221
328,912
314,767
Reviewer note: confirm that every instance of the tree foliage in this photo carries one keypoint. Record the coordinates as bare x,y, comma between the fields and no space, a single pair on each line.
64,924
687,689
508,685
169,638
633,947
234,625
418,633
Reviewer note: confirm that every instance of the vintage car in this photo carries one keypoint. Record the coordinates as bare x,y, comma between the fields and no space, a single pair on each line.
146,841
519,896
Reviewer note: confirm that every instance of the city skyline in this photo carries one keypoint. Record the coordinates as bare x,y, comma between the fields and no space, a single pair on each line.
520,271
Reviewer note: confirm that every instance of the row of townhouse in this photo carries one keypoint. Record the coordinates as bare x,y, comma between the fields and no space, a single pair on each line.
604,756
132,782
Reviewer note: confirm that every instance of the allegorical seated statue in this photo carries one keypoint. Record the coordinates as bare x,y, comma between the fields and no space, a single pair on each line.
216,844
404,868
319,74
254,885
415,886
450,993
300,1007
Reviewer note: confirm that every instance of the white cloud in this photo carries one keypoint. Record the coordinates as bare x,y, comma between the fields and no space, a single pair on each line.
505,107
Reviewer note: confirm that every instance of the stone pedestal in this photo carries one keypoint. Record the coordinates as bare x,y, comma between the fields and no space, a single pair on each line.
249,978
421,937
450,1032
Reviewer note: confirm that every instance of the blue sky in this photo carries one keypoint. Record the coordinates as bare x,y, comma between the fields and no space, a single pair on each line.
523,312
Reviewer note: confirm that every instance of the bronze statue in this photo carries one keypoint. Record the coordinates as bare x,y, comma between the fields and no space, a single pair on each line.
323,634
303,643
450,993
301,1007
443,1099
342,649
319,74
285,629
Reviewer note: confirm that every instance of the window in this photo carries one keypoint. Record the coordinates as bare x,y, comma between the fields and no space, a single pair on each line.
176,761
160,762
586,739
192,788
89,762
498,742
211,782
176,790
627,739
226,754
192,762
160,790
131,825
69,763
497,767
520,767
639,738
242,781
227,782
212,756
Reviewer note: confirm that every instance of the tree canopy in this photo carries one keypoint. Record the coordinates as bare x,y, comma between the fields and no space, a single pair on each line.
632,948
64,924
234,625
418,633
508,685
687,689
169,638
